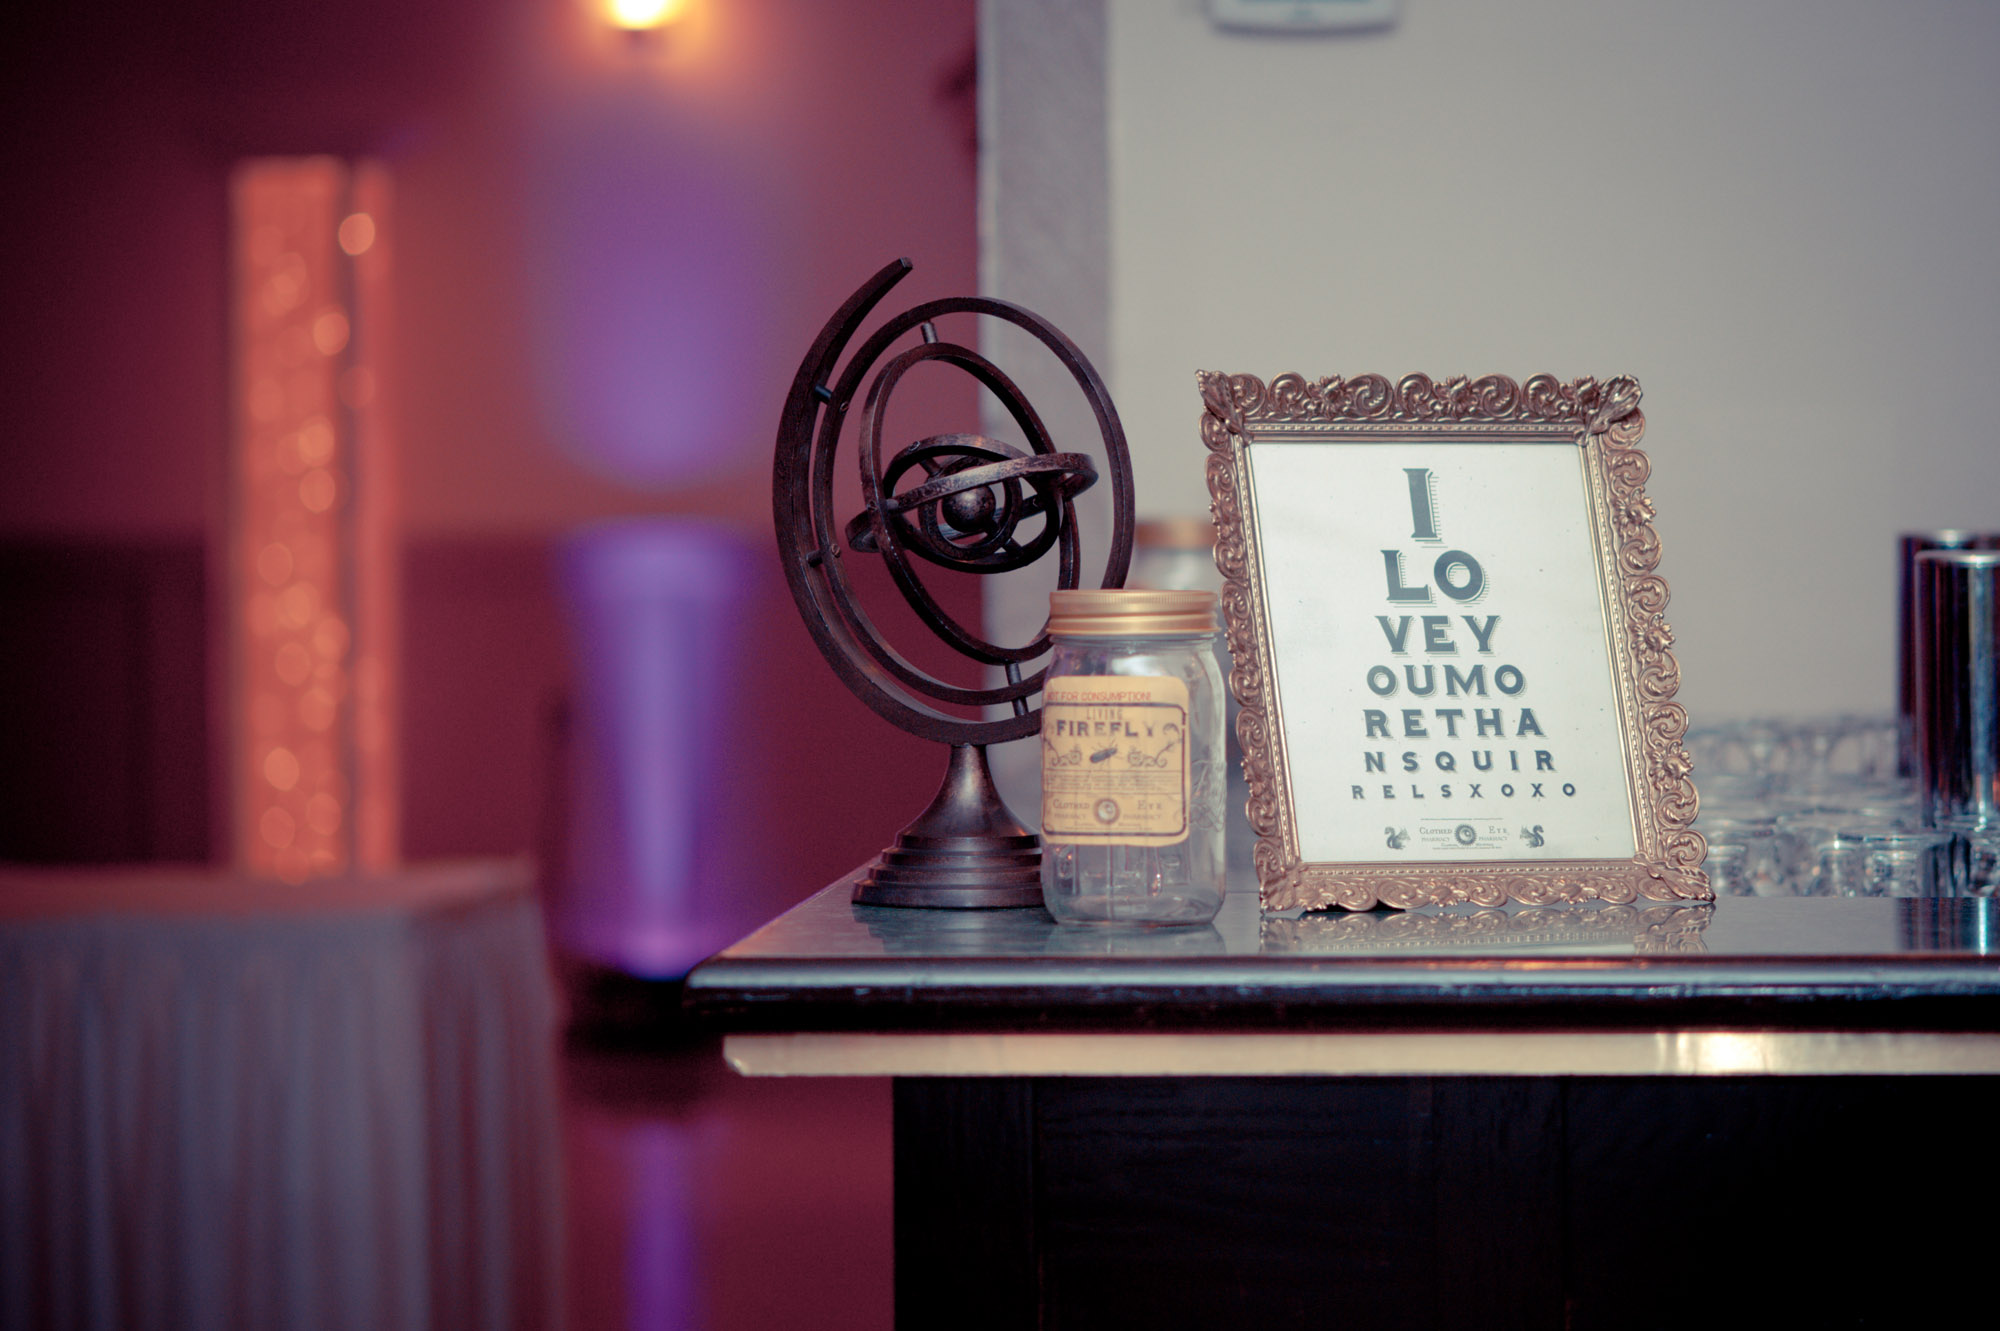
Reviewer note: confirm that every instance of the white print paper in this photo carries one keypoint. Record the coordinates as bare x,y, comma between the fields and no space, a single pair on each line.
1440,652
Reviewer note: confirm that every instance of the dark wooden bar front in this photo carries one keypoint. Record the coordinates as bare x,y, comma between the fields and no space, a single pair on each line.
1597,1117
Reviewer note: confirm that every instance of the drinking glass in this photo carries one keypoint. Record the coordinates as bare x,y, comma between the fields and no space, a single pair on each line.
1869,859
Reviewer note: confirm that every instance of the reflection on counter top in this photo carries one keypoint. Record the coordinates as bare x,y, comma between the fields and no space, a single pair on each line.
1592,929
829,926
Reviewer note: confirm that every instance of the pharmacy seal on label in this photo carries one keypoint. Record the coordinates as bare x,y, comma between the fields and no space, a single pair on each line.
1464,834
1107,811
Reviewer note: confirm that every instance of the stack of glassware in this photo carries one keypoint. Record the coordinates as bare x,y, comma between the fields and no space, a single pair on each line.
1816,808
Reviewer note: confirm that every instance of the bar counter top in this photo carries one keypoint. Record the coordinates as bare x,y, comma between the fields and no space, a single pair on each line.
1825,984
1455,1117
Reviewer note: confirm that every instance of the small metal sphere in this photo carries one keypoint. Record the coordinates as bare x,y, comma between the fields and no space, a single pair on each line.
970,510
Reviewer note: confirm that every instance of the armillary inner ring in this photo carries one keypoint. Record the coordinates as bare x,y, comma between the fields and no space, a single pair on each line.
972,500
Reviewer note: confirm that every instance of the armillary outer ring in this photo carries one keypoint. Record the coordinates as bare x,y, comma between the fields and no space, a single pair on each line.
808,540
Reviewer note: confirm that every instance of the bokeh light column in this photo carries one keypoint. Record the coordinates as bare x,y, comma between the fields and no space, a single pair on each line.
311,546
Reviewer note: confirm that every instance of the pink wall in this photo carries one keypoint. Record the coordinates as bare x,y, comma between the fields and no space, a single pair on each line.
788,146
569,215
112,279
783,151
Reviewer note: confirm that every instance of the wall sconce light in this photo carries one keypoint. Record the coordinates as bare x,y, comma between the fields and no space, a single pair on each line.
640,18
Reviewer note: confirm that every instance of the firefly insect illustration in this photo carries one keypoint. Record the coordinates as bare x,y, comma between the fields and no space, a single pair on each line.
1056,757
1137,758
1103,754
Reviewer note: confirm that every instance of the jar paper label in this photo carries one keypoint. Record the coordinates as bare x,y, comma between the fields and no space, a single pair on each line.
1115,760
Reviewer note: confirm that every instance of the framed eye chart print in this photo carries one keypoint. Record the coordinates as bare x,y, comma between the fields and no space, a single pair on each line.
1449,642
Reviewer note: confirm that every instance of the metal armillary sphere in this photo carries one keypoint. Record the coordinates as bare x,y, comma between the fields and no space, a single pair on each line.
957,501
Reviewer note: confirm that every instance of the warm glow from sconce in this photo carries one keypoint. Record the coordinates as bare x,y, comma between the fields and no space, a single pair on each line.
643,15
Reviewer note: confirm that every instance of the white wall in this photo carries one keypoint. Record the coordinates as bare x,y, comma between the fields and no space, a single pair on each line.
1043,237
1782,216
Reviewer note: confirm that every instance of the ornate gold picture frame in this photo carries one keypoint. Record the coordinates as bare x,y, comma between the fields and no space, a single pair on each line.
1449,642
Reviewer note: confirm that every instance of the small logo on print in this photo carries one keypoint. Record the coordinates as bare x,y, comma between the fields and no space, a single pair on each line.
1106,811
1397,840
1464,834
1533,835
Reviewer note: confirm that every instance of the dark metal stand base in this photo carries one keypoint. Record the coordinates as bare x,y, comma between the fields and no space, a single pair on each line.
967,851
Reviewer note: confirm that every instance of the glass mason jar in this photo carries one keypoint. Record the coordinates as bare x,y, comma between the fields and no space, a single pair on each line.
1178,554
1133,775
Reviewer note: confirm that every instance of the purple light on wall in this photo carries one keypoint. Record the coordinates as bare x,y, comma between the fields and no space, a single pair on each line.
654,609
634,1198
652,260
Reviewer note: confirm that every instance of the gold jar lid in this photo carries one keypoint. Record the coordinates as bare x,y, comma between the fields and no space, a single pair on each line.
1182,533
1118,612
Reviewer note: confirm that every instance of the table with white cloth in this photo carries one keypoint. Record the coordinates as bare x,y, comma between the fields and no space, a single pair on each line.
235,1103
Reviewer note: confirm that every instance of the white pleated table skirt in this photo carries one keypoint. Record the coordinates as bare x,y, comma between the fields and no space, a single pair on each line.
227,1103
